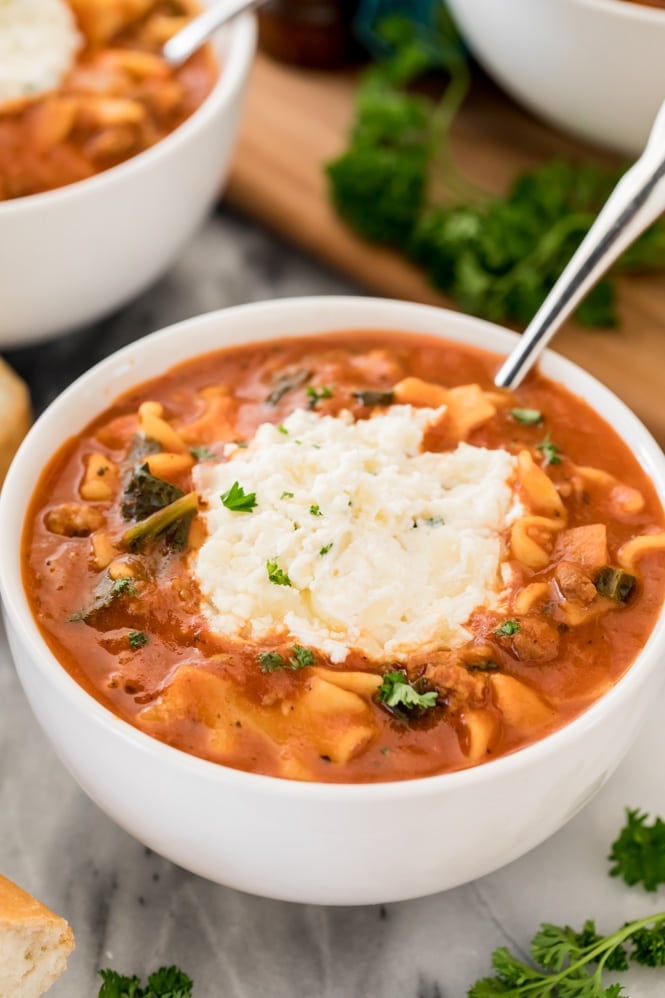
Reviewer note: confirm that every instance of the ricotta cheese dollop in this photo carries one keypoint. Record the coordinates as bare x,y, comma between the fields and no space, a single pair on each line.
371,543
38,44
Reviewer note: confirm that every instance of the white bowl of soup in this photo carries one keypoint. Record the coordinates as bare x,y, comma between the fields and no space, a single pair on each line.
592,67
293,590
104,178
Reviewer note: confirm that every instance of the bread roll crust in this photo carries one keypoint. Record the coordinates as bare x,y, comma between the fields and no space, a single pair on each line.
34,943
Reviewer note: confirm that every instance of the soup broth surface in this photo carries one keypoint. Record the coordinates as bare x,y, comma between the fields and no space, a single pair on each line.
222,560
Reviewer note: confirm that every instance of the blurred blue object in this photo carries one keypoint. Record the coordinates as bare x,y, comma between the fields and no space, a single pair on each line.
371,12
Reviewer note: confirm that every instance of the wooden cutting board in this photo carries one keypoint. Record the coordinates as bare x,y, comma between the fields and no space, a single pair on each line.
296,120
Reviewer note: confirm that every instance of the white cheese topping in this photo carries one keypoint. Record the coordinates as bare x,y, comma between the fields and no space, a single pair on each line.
388,549
38,45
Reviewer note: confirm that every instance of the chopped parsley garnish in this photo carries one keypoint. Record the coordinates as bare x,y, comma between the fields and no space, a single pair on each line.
429,521
527,417
399,694
300,658
167,982
123,587
638,854
271,660
507,629
285,383
137,639
326,548
286,495
550,450
276,574
282,429
315,395
237,500
315,509
372,397
202,453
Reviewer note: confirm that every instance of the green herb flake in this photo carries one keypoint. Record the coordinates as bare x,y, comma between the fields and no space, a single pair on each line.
301,657
137,639
326,548
527,417
549,450
202,453
286,495
507,629
237,500
315,509
399,694
282,429
270,661
316,395
277,575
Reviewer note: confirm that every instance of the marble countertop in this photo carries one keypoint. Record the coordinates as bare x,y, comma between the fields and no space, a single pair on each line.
133,911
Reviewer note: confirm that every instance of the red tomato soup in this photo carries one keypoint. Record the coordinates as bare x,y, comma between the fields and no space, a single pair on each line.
119,98
345,558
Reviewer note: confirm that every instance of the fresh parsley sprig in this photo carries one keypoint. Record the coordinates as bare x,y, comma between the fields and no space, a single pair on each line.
569,964
167,982
638,853
237,500
300,658
400,695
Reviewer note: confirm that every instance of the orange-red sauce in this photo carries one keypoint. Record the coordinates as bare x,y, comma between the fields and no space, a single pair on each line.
60,579
109,107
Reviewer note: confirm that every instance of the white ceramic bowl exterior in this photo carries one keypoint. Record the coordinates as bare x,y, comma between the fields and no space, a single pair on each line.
69,256
332,844
592,67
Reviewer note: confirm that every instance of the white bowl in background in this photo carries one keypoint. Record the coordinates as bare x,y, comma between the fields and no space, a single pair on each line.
313,842
595,68
69,256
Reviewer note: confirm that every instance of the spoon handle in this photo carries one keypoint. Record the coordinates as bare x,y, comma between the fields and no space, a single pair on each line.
186,41
636,201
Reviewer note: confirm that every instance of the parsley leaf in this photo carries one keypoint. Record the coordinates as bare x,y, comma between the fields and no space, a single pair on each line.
507,629
315,509
271,660
569,964
527,417
326,548
137,639
237,500
276,574
550,450
398,693
301,658
106,592
167,982
315,395
638,854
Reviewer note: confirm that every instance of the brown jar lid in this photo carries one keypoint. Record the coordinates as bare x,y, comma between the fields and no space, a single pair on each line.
308,32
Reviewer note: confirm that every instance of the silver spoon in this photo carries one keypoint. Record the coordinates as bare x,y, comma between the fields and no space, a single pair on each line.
636,201
185,42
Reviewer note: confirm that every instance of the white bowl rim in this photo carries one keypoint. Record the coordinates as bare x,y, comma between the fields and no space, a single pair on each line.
242,36
16,606
626,10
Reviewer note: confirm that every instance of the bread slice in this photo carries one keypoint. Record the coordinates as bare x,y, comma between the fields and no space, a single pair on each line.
15,419
34,944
